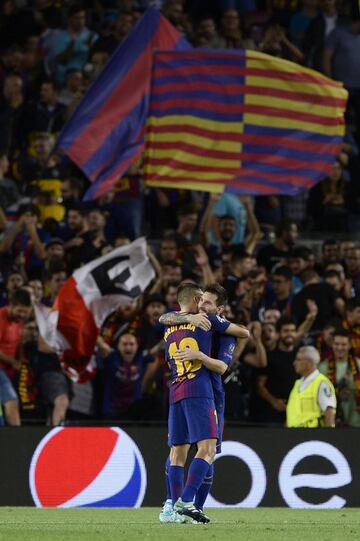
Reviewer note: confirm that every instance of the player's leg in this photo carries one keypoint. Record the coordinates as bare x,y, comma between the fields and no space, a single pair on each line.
178,438
166,514
203,430
205,488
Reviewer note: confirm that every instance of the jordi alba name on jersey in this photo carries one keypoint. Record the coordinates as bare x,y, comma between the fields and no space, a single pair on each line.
190,378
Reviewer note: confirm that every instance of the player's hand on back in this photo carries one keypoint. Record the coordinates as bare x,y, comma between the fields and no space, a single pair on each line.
187,354
200,320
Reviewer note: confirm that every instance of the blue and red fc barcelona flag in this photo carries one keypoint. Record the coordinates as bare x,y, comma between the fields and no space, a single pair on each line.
105,134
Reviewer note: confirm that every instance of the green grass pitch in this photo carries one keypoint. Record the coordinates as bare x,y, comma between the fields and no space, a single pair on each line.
262,524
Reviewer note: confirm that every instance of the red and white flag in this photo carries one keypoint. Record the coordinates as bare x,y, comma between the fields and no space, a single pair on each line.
94,291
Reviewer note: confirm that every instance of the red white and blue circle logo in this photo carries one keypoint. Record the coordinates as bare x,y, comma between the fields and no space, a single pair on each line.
87,467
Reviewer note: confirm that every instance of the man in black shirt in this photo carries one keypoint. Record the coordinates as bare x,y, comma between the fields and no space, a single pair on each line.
325,296
286,233
275,382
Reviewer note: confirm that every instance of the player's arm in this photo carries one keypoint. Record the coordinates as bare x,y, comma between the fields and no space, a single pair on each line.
239,331
188,354
177,318
223,326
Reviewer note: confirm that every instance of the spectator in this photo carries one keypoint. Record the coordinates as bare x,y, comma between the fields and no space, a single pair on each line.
312,401
343,370
327,202
9,192
14,280
147,328
72,189
352,262
299,260
351,323
206,28
276,43
74,87
325,296
275,382
282,283
12,319
48,115
70,48
316,33
94,241
26,229
230,31
121,28
54,387
240,264
12,115
330,253
300,22
56,278
269,336
342,59
126,371
286,233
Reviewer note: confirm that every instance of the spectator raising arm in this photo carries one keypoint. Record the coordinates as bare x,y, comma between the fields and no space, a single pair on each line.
258,359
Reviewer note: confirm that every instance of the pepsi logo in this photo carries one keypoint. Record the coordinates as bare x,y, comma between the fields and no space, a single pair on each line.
87,467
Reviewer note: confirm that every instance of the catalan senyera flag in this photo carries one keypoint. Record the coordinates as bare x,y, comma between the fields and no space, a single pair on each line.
105,133
240,121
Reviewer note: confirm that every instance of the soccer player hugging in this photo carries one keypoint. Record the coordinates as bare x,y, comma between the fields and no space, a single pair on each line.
199,346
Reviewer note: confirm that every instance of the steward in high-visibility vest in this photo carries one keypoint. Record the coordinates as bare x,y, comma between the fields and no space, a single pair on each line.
312,401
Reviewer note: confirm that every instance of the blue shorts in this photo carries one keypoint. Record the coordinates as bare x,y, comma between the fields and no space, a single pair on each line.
7,391
192,420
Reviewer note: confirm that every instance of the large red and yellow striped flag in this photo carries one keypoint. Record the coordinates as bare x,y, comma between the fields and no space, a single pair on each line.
244,121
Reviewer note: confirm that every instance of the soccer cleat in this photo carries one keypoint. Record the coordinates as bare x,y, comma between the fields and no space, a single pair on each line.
189,510
166,514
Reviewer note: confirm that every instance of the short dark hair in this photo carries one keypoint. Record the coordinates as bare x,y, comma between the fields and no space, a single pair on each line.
52,82
238,255
353,303
283,271
340,331
219,291
284,320
302,252
20,297
331,274
329,242
283,225
186,291
308,274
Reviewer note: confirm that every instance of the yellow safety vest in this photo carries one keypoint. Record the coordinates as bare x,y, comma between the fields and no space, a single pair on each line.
302,409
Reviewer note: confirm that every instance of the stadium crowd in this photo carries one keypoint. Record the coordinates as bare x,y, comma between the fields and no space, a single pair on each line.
290,265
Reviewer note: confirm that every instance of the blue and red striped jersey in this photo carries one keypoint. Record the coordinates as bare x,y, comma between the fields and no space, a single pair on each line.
190,379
